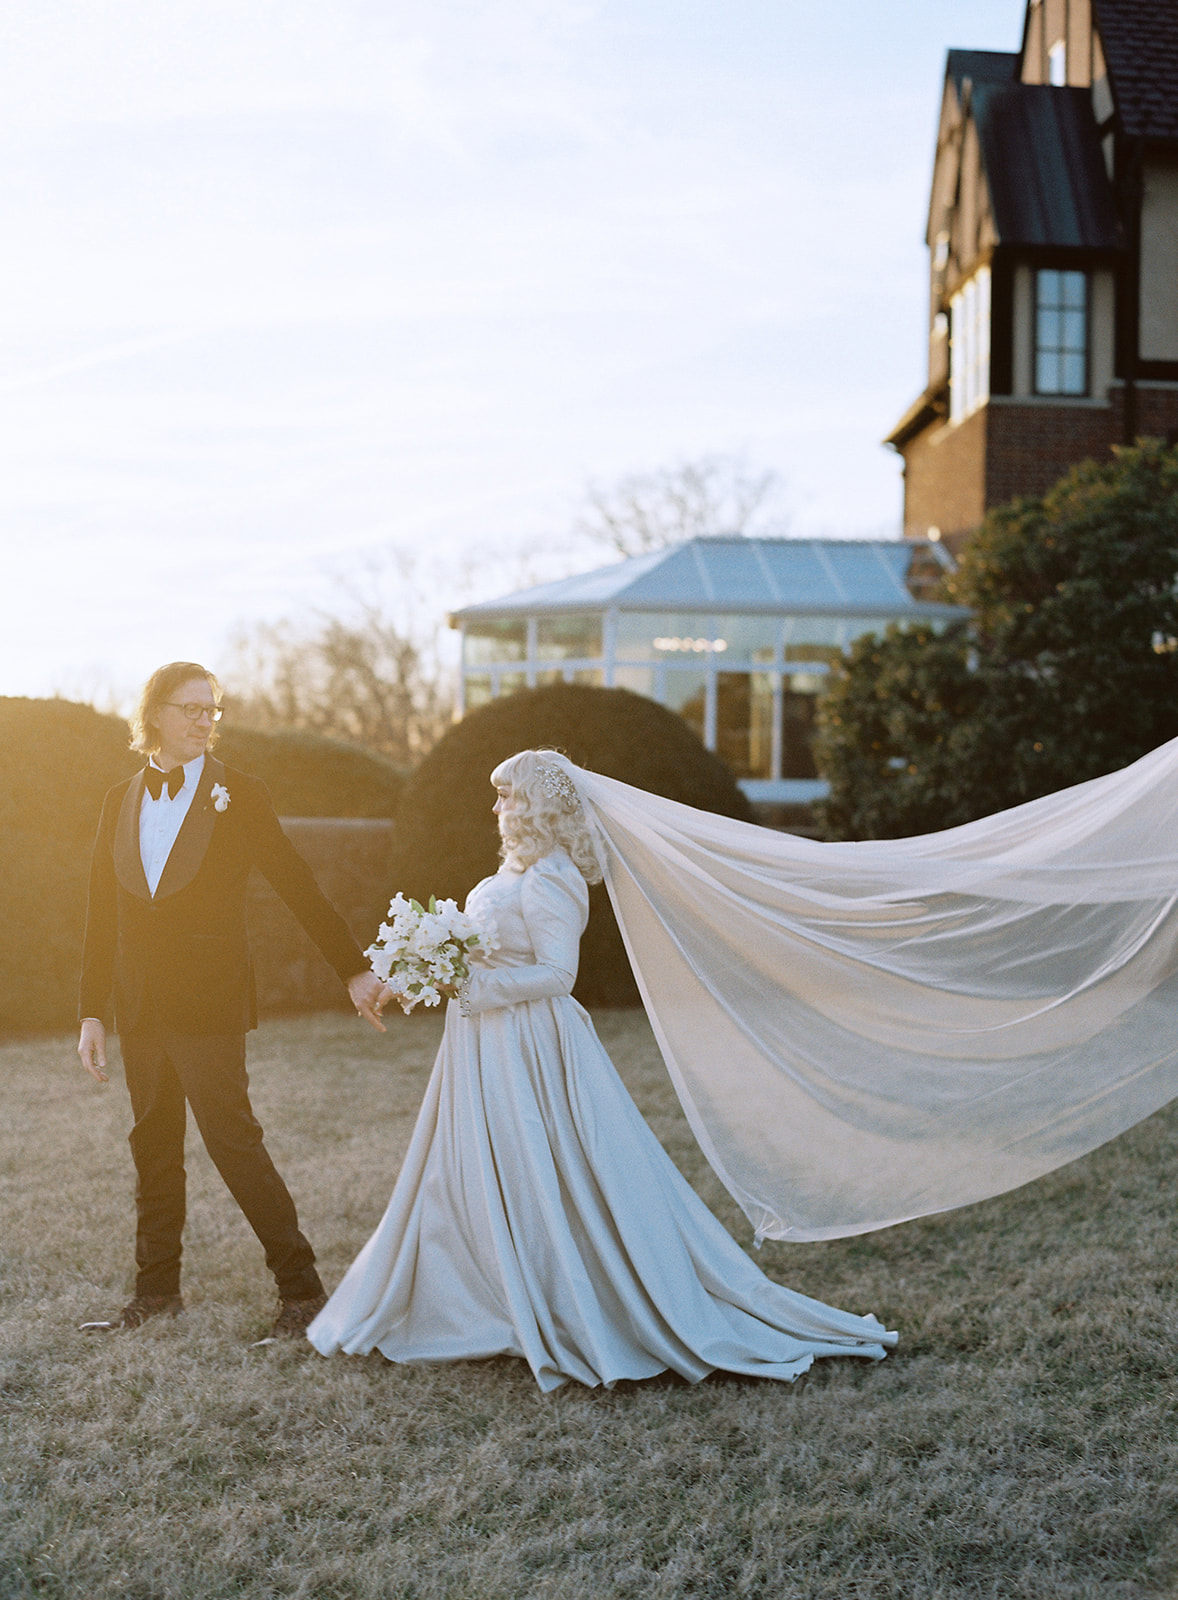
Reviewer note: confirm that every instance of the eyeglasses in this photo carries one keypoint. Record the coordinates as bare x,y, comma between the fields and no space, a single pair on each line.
193,711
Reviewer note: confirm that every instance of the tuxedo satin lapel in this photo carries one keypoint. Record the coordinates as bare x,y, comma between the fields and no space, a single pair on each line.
192,842
128,858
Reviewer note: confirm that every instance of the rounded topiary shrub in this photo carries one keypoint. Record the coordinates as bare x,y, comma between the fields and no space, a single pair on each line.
446,835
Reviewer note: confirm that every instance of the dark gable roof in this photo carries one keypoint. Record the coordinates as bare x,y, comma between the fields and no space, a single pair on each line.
1140,39
1047,179
981,66
1041,152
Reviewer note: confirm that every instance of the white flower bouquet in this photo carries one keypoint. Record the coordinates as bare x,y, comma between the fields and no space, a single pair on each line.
419,948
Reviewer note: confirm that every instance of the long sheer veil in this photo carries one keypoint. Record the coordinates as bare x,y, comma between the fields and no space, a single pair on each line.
865,1033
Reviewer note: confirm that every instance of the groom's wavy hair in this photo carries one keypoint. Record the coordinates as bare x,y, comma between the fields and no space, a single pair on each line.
156,692
547,813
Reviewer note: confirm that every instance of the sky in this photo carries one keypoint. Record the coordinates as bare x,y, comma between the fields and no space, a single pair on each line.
297,296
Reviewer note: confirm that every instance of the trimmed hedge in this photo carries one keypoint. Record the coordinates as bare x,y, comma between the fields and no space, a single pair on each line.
312,776
61,758
446,837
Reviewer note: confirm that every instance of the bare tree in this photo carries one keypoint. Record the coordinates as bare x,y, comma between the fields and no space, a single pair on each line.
363,677
693,499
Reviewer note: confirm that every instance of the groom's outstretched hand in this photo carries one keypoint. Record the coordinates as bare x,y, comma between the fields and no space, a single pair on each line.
92,1048
368,997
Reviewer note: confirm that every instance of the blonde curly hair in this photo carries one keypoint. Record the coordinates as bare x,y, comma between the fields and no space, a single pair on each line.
547,813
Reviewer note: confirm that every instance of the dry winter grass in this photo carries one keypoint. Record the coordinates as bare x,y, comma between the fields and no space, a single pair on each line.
1023,1442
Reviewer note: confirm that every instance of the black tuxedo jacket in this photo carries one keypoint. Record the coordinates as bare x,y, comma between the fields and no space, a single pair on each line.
181,960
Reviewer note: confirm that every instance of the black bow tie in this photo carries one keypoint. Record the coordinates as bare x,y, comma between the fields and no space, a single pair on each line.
156,779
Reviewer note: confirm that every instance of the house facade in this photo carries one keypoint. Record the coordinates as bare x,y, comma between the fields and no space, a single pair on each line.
1053,260
735,634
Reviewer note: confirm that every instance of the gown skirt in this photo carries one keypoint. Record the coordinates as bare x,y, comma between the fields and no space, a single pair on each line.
536,1215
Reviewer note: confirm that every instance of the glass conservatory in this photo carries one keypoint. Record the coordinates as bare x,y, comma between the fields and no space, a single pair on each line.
735,634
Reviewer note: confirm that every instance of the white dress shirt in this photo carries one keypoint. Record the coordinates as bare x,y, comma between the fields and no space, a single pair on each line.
160,820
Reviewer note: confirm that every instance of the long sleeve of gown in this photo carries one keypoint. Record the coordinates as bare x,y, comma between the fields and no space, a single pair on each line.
554,901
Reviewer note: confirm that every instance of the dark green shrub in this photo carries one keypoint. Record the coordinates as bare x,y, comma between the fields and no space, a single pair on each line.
893,725
312,776
60,759
1068,670
446,836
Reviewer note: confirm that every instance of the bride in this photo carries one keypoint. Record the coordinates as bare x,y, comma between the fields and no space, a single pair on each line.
536,1214
859,1033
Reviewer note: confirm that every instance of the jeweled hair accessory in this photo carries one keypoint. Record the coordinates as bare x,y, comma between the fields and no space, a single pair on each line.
557,785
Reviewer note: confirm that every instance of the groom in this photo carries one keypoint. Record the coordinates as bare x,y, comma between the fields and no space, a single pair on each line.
166,953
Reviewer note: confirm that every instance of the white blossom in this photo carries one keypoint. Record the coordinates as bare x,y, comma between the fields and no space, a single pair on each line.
418,949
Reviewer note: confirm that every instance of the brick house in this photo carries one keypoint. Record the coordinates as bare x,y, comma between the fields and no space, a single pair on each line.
1053,260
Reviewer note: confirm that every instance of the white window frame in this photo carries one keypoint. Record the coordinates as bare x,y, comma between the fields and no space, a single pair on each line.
969,346
1064,346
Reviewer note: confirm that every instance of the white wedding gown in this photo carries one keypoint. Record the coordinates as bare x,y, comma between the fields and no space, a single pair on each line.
537,1215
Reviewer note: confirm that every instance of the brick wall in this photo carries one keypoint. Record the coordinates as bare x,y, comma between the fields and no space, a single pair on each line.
1157,414
1031,445
944,478
953,475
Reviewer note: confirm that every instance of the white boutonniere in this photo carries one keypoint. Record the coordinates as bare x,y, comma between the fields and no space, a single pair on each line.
220,796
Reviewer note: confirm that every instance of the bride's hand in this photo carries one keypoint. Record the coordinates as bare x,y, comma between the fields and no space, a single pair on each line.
369,996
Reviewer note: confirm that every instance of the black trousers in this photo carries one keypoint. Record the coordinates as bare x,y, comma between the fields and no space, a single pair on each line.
164,1070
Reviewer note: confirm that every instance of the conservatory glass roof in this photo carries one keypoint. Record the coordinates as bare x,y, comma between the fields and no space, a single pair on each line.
848,576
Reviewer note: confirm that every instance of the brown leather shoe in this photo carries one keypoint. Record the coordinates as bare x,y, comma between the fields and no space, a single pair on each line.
296,1316
138,1311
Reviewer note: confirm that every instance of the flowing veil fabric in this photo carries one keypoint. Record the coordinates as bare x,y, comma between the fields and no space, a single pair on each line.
865,1033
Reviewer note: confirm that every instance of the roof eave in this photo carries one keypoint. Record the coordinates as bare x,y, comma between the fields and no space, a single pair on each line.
930,407
849,608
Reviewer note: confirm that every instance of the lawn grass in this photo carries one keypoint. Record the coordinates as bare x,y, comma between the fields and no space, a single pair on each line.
1022,1442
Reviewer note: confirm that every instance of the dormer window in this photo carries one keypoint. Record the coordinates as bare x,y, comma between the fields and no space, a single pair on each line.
969,346
1061,332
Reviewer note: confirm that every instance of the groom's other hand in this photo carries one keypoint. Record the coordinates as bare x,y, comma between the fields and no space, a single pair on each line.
92,1048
